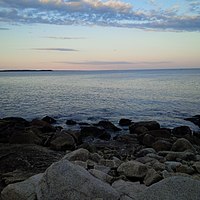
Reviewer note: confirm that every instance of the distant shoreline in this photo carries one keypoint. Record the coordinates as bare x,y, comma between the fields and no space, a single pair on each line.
42,70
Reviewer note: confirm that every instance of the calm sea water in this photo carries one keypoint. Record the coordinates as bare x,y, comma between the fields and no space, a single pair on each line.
167,96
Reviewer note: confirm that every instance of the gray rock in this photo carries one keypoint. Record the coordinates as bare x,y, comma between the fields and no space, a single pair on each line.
62,142
185,169
158,166
109,163
148,140
162,133
183,145
173,188
172,165
80,163
25,190
145,151
101,175
132,169
150,125
162,145
152,177
196,165
64,180
79,154
95,157
128,189
102,168
180,155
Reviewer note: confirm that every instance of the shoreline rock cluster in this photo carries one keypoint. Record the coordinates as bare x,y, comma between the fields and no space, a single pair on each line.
99,161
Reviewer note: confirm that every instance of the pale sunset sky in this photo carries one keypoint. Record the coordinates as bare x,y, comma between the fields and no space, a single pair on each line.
99,34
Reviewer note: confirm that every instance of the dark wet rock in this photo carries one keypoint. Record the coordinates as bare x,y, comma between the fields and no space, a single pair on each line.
127,139
183,145
150,125
195,120
180,155
49,120
108,126
77,136
162,145
148,140
95,132
20,161
62,142
182,130
140,130
124,122
83,124
15,121
145,151
162,133
71,122
25,137
43,126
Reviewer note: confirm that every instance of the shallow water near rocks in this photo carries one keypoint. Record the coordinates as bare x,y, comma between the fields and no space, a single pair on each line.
167,96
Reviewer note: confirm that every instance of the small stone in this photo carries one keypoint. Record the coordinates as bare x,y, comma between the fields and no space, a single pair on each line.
185,169
145,151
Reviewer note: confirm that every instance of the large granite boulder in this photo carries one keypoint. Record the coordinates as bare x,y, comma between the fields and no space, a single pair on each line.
173,188
64,180
25,190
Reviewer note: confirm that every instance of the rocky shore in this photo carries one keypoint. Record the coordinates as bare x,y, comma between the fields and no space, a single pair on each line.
127,161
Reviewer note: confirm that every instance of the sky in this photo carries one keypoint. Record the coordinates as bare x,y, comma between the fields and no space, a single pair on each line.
99,34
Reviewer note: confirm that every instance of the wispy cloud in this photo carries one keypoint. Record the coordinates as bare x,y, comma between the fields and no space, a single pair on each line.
103,13
53,49
102,63
4,29
65,38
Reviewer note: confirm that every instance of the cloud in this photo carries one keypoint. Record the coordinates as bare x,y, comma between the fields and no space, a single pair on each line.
102,13
102,63
53,49
4,29
65,38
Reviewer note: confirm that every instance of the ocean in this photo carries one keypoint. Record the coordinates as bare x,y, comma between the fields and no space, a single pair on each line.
167,96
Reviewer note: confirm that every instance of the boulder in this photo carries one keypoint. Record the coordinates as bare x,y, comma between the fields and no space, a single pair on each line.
182,145
152,177
150,125
127,188
196,165
140,130
79,154
145,151
162,133
64,180
148,140
185,169
71,122
25,190
162,145
43,126
25,137
101,175
195,119
95,132
180,155
132,169
49,120
108,126
62,142
173,188
124,122
182,130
